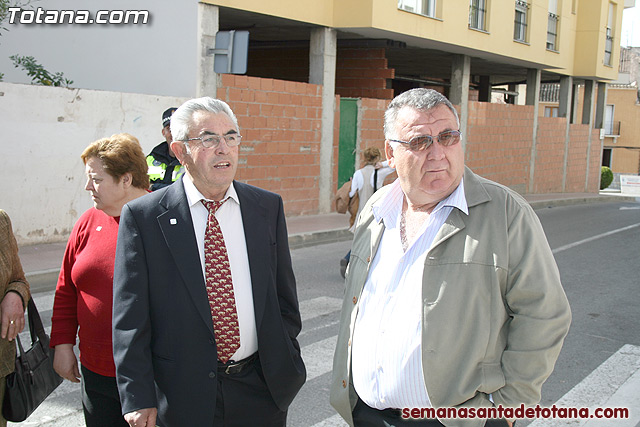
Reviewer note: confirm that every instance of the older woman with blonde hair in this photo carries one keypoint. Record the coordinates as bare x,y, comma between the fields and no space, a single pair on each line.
116,174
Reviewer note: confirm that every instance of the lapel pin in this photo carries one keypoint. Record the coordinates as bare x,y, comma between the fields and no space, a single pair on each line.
173,221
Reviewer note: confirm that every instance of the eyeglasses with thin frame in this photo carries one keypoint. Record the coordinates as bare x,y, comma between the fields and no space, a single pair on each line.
211,141
422,142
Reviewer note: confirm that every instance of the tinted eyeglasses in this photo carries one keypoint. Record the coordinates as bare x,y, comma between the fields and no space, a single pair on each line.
209,141
419,143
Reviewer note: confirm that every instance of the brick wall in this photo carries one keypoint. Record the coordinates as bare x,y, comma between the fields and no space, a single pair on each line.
360,72
363,73
371,115
595,162
280,123
498,152
577,159
549,155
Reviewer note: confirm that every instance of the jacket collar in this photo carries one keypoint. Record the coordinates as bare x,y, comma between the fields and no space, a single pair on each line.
474,190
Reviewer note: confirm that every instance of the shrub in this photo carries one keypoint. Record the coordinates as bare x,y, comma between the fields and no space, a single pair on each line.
606,177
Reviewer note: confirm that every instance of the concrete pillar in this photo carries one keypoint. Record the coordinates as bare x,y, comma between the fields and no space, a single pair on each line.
564,103
512,99
459,91
600,105
587,119
322,71
208,24
533,98
589,97
484,93
564,110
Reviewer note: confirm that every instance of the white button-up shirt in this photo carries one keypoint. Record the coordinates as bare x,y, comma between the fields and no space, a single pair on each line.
387,339
230,219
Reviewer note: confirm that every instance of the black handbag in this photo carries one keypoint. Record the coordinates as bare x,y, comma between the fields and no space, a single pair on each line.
34,378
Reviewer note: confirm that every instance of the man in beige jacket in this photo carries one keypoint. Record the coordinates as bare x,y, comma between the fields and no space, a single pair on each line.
453,298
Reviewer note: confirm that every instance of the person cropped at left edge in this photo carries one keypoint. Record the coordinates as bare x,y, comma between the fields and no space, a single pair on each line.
116,174
164,166
206,313
14,289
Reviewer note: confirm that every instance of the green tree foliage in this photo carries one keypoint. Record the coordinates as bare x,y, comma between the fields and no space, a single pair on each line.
606,177
38,73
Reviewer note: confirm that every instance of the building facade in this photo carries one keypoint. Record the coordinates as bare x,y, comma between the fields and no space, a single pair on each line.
319,76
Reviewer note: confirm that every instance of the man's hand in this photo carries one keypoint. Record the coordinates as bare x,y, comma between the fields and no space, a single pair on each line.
142,418
65,363
12,315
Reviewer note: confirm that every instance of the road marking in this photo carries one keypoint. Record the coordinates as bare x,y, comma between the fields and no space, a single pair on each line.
335,421
629,208
615,383
320,306
591,239
318,357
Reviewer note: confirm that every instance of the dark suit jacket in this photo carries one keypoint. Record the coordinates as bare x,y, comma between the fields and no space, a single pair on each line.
163,339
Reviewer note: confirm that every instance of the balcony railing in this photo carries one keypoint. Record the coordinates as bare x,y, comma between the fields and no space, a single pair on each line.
552,31
612,128
608,48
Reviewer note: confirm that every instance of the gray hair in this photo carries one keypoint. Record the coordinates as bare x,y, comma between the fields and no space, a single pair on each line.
420,99
182,118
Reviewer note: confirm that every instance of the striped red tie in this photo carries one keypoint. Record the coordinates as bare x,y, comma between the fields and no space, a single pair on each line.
222,299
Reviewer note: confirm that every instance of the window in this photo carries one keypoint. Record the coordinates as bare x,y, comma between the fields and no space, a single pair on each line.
608,46
422,7
477,14
608,119
520,26
551,111
552,26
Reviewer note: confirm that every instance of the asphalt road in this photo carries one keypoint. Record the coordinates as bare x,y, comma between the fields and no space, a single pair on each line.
597,248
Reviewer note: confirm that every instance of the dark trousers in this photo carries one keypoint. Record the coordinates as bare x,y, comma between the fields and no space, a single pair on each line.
243,399
365,416
100,400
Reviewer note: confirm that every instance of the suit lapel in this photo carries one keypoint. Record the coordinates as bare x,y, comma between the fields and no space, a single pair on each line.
177,228
259,240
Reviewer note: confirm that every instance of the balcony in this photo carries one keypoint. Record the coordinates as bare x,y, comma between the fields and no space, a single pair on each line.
611,129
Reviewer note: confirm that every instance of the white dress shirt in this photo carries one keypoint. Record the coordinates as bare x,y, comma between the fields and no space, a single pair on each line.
387,339
230,219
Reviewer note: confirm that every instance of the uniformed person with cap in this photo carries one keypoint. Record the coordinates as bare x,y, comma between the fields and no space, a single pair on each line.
164,167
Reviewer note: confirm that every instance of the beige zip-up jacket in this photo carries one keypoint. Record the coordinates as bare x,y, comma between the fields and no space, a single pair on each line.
495,314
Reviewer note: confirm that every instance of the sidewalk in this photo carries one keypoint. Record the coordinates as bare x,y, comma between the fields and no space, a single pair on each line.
41,262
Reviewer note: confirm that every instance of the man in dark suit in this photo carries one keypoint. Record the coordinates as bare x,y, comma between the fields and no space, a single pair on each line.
201,340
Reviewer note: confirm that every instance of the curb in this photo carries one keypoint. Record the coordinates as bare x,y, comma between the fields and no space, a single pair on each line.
542,204
303,240
40,281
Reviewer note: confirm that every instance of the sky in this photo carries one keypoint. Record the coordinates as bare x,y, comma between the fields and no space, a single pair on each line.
631,27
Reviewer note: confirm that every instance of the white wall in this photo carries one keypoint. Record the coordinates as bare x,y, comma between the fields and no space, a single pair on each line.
159,57
44,130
